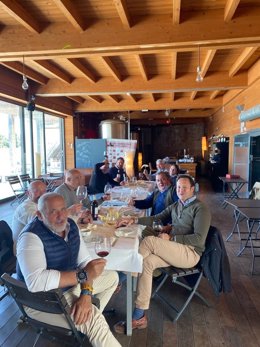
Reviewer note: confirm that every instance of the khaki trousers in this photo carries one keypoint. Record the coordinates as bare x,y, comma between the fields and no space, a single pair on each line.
96,328
158,253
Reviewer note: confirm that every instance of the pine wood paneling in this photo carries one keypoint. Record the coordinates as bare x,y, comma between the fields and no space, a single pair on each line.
69,143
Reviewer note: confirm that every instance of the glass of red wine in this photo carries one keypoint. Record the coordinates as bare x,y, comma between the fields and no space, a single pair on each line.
103,246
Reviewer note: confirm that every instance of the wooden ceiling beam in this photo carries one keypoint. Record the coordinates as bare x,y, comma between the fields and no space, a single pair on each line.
176,11
152,97
125,105
193,95
230,9
54,70
123,12
77,99
241,60
33,75
207,61
114,98
132,97
83,69
68,8
108,63
141,65
136,85
174,65
208,29
22,16
96,98
173,96
214,94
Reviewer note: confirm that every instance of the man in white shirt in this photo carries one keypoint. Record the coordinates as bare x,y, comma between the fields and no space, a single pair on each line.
51,254
25,212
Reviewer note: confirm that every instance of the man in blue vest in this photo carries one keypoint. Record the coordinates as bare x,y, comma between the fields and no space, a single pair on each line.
51,254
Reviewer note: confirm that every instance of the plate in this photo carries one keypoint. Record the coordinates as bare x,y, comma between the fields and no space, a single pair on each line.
125,232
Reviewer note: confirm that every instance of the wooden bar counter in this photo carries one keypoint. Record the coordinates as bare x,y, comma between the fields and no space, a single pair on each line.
190,167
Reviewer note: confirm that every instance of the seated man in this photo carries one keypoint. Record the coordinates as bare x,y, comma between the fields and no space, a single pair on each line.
26,212
100,177
51,254
163,196
117,172
180,245
160,166
68,191
174,171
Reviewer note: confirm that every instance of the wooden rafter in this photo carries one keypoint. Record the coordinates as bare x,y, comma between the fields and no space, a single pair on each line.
95,98
176,11
132,97
21,15
123,12
33,75
241,60
207,61
69,10
214,94
108,63
54,70
230,9
193,95
114,98
83,69
77,99
174,65
140,62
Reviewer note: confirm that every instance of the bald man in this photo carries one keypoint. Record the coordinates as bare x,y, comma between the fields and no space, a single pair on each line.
26,212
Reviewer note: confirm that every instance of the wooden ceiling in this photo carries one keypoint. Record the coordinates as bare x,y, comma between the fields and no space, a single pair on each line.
131,55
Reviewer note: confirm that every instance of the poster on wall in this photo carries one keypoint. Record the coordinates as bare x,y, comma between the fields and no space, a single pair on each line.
118,148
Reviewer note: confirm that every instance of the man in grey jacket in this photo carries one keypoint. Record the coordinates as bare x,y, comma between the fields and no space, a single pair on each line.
180,244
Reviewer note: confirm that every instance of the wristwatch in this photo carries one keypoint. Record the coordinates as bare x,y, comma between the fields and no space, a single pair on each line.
82,276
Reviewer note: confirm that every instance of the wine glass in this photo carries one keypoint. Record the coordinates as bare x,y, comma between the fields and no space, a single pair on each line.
157,225
81,193
107,191
103,246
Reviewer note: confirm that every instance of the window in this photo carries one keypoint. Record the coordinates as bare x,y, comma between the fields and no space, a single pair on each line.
30,142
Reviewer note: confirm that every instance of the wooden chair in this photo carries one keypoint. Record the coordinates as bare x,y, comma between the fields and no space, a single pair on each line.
7,257
52,302
17,188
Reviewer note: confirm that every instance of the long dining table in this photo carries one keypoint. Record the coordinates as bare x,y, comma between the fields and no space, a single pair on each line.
124,256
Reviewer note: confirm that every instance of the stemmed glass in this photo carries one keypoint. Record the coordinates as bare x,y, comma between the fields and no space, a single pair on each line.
107,190
103,246
81,193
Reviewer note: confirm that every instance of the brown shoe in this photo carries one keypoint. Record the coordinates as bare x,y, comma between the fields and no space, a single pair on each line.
120,327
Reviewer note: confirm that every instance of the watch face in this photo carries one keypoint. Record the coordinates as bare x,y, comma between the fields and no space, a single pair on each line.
82,275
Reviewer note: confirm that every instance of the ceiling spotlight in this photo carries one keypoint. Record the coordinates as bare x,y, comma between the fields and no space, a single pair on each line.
25,85
199,77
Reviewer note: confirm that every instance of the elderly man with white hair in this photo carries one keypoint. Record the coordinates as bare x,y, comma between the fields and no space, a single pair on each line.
51,254
26,212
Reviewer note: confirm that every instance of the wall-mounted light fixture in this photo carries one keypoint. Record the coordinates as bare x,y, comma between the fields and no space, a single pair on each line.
199,77
25,85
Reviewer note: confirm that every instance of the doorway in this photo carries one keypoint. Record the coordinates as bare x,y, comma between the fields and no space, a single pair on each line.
254,160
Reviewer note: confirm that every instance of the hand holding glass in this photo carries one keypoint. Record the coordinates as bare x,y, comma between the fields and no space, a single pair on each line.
81,193
103,246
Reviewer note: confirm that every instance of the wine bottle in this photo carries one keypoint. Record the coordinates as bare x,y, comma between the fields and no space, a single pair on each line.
94,208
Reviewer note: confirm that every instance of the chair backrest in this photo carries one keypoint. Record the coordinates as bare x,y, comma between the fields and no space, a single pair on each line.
52,302
25,180
15,184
